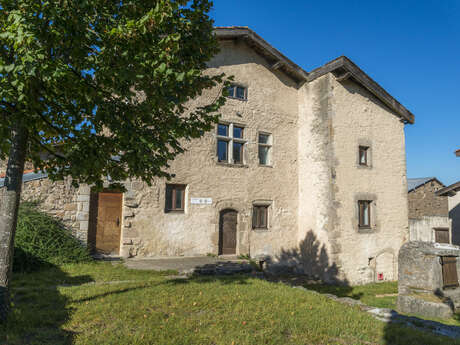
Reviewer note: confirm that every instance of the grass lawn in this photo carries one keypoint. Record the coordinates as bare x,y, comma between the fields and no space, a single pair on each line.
380,295
102,303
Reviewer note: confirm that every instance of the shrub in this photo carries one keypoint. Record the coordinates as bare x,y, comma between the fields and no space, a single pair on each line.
43,241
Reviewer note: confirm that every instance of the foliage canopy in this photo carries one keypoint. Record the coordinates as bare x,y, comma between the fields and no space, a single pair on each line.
103,87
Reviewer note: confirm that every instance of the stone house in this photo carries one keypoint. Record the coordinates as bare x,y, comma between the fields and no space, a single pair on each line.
452,193
305,169
428,212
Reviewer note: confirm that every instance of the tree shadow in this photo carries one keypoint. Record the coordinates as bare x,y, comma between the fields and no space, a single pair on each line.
402,329
38,309
309,265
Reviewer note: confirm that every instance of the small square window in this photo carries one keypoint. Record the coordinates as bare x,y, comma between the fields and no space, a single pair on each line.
441,235
260,217
363,155
364,207
238,91
175,197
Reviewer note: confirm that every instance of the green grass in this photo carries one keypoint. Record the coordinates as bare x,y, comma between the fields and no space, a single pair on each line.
154,308
370,294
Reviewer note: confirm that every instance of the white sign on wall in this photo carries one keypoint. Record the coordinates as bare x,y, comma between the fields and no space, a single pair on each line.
201,201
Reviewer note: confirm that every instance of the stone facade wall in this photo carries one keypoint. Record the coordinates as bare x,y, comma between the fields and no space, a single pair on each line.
359,119
454,215
59,199
271,107
423,201
311,187
318,242
422,229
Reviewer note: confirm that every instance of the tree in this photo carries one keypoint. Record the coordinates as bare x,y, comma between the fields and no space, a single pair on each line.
91,88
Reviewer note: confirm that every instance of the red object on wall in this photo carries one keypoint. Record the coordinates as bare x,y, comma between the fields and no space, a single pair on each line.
380,276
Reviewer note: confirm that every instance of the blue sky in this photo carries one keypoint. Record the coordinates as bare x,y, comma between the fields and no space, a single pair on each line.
411,48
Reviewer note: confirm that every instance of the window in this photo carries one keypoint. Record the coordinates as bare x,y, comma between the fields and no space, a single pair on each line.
265,145
364,155
364,207
230,143
175,197
238,91
441,235
260,217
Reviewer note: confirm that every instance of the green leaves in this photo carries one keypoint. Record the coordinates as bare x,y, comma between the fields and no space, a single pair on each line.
93,80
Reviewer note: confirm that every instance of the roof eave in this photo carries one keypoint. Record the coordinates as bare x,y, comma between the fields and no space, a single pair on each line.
351,70
276,58
449,190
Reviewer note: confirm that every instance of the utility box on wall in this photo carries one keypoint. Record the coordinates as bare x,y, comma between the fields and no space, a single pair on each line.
428,279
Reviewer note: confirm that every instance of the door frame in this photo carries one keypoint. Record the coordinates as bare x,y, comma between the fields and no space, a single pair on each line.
93,214
220,233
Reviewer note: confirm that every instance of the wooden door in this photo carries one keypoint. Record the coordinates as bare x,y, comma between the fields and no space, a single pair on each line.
108,228
441,235
227,232
449,271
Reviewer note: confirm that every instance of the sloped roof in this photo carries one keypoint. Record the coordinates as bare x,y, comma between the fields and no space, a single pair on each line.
30,176
414,183
449,190
342,67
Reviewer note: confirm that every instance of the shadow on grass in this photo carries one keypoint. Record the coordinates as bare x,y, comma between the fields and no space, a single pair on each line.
38,312
403,330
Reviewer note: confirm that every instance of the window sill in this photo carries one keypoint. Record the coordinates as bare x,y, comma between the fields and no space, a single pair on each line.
265,165
260,229
174,211
362,166
232,165
365,229
238,99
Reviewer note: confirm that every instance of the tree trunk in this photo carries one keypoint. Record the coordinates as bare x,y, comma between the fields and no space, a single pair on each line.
9,204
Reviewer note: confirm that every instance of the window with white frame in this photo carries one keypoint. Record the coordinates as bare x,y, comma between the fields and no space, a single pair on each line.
265,148
230,143
238,92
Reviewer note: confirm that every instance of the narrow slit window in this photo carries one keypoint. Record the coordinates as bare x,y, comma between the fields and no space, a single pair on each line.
364,155
364,207
265,146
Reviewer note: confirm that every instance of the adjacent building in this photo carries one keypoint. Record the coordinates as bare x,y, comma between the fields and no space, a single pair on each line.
305,169
428,211
452,193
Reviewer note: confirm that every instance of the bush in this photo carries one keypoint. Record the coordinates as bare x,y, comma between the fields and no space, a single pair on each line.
42,241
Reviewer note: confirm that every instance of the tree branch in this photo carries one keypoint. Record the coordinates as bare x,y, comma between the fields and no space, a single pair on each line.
54,153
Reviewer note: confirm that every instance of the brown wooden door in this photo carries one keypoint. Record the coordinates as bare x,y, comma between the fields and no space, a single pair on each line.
441,235
227,231
108,229
449,271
